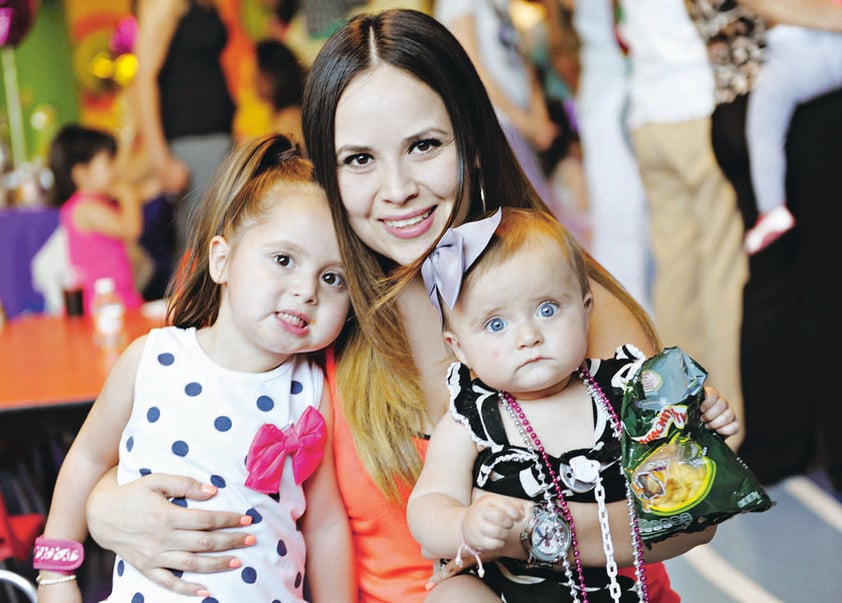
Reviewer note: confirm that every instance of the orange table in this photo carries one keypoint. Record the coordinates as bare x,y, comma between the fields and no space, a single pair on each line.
51,371
53,361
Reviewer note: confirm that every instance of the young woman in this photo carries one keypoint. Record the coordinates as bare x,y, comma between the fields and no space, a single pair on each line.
405,142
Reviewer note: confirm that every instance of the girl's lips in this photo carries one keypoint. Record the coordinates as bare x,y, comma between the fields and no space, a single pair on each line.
412,226
293,322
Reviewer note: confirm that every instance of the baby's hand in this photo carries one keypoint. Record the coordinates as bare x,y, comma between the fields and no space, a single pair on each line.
718,415
488,520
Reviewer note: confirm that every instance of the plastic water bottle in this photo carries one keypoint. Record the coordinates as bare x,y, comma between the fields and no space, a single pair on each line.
108,311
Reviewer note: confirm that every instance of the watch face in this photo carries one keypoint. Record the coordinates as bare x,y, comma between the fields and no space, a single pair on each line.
550,536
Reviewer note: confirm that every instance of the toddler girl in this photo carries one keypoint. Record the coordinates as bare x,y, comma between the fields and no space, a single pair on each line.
229,395
99,227
801,64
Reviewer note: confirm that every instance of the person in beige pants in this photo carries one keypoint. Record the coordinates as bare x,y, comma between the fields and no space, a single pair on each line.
695,229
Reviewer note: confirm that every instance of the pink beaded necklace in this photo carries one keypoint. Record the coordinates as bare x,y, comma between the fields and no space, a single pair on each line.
534,443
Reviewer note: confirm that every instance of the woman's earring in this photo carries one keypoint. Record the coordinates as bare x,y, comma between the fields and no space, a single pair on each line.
482,196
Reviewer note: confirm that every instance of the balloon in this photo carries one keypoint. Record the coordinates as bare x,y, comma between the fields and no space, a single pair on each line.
16,18
124,36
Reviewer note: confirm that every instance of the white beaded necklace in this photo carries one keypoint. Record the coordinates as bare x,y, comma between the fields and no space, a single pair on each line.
527,432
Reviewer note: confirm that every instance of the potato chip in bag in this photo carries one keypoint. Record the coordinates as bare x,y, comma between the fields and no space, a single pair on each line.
683,476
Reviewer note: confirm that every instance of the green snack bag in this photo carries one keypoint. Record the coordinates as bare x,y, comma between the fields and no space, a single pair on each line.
683,476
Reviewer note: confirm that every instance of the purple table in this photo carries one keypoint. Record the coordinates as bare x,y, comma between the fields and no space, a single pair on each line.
23,231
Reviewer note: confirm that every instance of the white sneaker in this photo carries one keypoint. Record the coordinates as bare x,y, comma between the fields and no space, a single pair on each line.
768,228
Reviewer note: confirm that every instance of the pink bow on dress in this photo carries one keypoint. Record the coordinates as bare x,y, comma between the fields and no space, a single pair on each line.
304,441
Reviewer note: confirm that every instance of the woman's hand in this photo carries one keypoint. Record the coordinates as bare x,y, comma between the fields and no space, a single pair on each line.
138,522
173,174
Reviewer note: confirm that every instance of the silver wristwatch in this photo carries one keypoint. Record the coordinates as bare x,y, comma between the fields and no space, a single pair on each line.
546,537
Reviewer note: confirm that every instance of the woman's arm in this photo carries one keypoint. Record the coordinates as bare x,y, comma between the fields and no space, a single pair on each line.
330,552
533,122
157,22
817,14
613,323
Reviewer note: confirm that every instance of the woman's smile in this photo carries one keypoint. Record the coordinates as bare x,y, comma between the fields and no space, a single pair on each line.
397,162
411,226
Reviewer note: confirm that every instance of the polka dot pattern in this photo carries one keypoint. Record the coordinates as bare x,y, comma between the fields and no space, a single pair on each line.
180,448
189,420
222,424
265,403
249,575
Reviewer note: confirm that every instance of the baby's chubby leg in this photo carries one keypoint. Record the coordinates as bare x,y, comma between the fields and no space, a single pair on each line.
464,588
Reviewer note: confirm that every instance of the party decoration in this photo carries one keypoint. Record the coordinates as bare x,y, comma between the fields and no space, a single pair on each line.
124,36
16,19
255,17
103,58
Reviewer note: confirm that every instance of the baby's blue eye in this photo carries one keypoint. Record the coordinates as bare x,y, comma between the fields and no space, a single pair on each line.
495,325
547,309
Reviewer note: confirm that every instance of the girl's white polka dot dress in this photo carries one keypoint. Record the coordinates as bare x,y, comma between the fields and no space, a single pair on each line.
192,417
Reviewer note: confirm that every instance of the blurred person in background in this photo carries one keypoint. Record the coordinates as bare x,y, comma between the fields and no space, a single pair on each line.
695,228
280,82
787,329
99,221
487,33
617,201
184,108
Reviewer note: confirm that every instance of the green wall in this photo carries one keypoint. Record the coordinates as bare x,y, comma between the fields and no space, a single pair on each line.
45,78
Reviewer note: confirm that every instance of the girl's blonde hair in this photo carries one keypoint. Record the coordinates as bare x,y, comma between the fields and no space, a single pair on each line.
238,198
